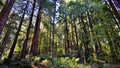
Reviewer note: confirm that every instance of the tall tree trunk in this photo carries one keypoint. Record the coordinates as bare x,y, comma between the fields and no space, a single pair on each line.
90,22
16,36
47,43
66,37
50,38
76,35
53,26
72,36
4,41
24,49
4,14
34,45
85,39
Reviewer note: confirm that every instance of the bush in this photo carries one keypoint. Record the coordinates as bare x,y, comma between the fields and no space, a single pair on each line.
66,62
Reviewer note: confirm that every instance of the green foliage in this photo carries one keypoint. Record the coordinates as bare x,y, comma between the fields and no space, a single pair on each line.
67,63
103,32
44,3
1,4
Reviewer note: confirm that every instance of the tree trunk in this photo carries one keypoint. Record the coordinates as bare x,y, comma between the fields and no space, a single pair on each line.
72,36
24,49
90,22
85,40
16,36
76,35
50,38
4,14
53,26
34,45
66,37
4,41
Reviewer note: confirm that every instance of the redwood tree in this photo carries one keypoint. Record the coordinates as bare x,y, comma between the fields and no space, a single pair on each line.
4,14
35,39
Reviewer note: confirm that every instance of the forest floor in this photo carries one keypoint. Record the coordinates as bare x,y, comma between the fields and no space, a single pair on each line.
46,63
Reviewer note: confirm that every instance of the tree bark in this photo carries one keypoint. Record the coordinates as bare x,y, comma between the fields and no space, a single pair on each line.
76,35
53,26
24,49
16,36
35,39
4,14
66,37
4,41
85,40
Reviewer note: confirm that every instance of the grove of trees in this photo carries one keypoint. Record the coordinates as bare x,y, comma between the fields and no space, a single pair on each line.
59,33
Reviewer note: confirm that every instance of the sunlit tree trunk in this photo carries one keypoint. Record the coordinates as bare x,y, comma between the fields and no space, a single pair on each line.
4,14
53,27
50,38
4,41
47,43
90,22
85,40
72,38
76,35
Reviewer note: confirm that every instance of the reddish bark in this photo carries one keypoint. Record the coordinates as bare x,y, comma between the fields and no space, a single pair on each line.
35,39
4,14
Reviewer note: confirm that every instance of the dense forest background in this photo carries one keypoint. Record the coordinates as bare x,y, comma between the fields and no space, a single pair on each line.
59,33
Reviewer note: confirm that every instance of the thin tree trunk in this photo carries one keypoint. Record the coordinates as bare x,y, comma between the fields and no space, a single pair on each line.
66,37
24,49
47,43
16,36
4,41
73,39
76,35
53,26
85,40
90,22
50,35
